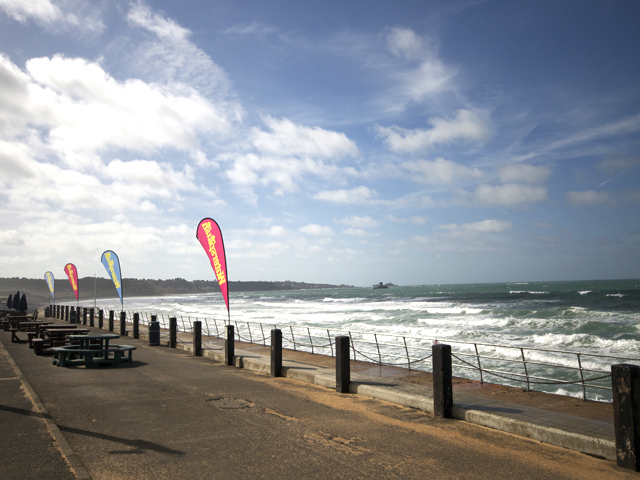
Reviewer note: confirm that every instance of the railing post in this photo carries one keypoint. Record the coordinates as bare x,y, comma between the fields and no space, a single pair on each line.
197,338
173,332
92,316
343,371
136,325
276,352
625,382
526,371
100,319
111,315
123,324
442,381
228,345
584,386
293,338
479,364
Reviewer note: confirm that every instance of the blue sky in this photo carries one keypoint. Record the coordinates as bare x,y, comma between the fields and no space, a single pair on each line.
411,142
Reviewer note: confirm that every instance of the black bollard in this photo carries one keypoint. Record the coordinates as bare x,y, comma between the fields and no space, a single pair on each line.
276,352
173,332
111,320
625,382
229,345
92,313
66,313
58,312
100,319
72,316
84,315
197,338
343,367
136,325
442,381
123,324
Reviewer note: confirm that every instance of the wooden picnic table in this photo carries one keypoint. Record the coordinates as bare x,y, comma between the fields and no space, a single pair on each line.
29,327
55,336
92,350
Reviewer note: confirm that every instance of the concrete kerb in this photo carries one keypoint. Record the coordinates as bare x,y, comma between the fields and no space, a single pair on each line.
419,397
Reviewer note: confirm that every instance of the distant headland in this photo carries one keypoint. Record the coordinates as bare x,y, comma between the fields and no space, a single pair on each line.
134,287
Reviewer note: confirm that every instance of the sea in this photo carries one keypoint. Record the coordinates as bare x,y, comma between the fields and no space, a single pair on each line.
496,324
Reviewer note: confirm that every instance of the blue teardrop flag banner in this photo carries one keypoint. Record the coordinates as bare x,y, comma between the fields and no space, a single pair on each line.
112,263
48,277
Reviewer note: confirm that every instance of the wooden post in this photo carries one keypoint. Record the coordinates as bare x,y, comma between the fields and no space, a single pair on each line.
100,319
84,315
197,338
276,352
91,317
229,345
123,324
136,325
66,309
343,367
173,332
442,381
625,382
111,320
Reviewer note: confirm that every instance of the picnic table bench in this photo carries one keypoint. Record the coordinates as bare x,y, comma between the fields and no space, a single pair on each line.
25,326
55,336
92,357
91,351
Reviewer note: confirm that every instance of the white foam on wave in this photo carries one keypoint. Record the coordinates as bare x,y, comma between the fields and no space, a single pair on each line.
344,300
616,295
584,292
529,292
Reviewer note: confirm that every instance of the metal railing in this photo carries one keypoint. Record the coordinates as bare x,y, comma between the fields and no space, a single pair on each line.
576,374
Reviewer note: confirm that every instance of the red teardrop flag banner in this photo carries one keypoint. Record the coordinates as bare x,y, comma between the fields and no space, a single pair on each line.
210,237
72,272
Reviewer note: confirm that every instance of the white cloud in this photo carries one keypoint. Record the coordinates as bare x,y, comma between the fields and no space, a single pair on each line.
286,138
588,198
465,126
440,171
83,111
485,226
360,194
78,16
419,73
356,232
355,221
171,57
253,28
317,230
523,173
287,153
509,195
11,237
414,220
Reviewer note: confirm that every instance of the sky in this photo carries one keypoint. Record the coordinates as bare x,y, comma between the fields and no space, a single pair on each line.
412,142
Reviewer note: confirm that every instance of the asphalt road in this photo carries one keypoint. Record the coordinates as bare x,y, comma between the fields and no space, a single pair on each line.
170,415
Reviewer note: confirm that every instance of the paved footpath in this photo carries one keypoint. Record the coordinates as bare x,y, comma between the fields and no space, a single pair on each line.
171,415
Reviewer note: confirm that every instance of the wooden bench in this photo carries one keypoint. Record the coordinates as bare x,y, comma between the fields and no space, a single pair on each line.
92,357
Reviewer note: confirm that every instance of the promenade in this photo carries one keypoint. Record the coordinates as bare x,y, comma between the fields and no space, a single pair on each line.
172,415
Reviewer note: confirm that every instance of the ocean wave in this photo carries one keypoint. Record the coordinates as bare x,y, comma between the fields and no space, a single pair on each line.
344,300
620,295
529,292
584,292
